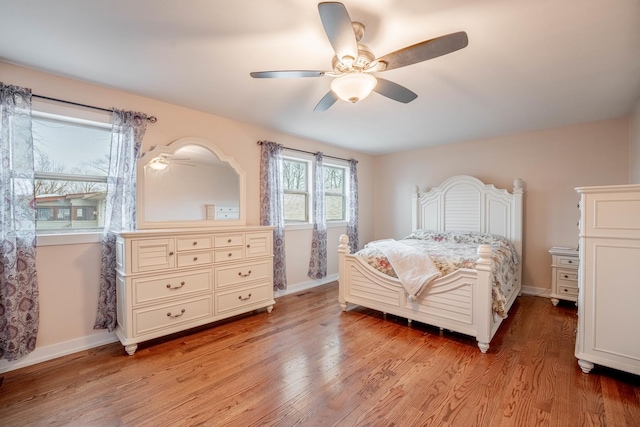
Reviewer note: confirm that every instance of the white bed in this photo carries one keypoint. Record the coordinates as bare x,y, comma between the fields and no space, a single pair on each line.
460,301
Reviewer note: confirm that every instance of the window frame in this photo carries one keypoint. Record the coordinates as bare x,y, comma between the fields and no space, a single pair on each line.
343,194
55,236
308,159
307,193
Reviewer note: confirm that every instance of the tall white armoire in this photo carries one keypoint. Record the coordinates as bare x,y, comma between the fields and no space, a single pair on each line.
609,278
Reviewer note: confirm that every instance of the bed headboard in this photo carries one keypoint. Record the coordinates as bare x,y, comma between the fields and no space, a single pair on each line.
464,203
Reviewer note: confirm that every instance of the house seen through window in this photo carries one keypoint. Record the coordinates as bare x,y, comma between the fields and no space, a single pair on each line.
297,176
71,162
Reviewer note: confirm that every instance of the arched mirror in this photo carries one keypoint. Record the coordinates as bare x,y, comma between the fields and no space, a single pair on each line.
189,183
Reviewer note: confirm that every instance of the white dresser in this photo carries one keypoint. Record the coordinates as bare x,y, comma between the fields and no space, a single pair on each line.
172,280
564,274
609,279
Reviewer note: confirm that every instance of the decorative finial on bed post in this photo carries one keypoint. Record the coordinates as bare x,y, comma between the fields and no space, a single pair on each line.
415,189
344,243
518,185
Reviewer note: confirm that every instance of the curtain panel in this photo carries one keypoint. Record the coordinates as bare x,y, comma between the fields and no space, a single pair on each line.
19,301
120,213
352,213
318,259
272,207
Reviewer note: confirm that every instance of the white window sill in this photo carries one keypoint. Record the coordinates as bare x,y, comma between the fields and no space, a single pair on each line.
308,226
68,238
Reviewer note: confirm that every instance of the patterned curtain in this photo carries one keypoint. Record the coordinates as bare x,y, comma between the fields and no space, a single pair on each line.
120,213
318,260
19,305
272,207
352,214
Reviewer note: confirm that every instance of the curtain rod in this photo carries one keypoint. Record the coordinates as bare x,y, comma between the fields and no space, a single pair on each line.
311,152
150,119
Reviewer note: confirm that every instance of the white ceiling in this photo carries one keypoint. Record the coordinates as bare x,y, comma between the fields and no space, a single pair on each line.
529,64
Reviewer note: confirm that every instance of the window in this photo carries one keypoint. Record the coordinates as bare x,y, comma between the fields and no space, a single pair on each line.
297,194
71,162
334,193
295,175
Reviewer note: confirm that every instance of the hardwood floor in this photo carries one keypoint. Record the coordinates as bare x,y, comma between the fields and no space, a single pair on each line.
307,363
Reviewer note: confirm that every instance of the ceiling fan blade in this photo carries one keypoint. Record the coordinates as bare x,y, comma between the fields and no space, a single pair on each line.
394,91
337,24
289,74
327,101
428,49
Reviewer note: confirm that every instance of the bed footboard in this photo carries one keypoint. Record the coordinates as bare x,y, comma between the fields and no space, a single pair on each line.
460,302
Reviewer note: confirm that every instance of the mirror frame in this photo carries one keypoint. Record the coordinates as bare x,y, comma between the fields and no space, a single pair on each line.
145,158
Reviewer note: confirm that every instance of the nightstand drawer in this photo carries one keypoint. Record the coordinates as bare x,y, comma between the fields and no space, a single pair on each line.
567,290
567,262
567,276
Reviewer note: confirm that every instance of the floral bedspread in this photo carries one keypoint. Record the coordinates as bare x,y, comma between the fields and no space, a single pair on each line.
450,251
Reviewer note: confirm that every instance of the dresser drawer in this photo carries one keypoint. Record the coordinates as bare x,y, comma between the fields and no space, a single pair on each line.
233,275
225,240
157,288
567,261
195,242
231,254
152,319
240,299
187,259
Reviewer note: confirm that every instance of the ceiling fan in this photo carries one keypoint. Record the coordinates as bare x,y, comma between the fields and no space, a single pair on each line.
354,63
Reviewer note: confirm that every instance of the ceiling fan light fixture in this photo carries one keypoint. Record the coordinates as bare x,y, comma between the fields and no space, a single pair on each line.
159,163
353,87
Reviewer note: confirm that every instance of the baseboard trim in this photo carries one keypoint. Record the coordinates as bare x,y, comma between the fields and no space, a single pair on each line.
303,286
536,292
58,350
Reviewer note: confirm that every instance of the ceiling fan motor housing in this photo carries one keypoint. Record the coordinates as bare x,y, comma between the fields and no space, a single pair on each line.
361,63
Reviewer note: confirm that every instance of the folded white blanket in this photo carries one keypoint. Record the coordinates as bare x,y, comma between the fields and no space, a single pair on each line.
415,269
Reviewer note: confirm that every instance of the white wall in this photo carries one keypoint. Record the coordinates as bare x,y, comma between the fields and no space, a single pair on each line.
69,274
634,145
551,162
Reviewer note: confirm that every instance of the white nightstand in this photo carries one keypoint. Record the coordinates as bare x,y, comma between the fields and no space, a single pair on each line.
564,274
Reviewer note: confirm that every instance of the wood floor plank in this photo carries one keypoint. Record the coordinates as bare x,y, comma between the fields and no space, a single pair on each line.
309,364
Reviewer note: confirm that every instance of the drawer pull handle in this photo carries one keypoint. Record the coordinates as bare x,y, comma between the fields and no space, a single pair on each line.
570,262
195,243
170,253
177,287
566,277
248,246
244,275
195,258
229,241
230,254
244,299
177,315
